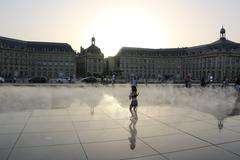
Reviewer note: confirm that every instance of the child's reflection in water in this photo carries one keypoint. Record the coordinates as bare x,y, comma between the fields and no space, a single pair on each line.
133,132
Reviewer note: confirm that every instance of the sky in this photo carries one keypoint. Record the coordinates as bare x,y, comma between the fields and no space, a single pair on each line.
120,23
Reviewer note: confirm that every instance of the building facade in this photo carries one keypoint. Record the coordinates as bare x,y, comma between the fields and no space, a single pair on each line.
26,59
90,61
219,59
109,65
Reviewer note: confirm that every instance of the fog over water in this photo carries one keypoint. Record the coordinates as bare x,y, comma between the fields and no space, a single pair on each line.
217,101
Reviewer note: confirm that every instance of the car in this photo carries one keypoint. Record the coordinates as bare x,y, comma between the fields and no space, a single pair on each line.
63,80
37,80
89,80
2,80
10,79
106,81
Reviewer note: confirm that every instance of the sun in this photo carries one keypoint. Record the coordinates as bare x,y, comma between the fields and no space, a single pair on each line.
126,29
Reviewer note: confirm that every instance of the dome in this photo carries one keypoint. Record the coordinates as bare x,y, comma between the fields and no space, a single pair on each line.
222,31
93,49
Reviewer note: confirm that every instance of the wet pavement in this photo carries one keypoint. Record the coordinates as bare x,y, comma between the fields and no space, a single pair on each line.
106,132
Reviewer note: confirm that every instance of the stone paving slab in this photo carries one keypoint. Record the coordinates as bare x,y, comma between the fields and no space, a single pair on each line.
106,132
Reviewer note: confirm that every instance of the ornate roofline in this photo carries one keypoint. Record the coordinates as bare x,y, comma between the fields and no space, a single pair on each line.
36,44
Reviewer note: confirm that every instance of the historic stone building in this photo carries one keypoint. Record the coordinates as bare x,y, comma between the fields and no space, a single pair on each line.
148,63
90,61
218,59
25,59
109,65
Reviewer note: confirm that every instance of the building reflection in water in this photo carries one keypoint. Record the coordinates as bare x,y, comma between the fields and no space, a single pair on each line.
133,132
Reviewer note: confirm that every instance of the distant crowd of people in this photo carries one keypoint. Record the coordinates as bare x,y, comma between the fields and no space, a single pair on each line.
204,83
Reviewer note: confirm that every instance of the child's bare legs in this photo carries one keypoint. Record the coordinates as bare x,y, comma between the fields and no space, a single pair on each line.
135,112
130,109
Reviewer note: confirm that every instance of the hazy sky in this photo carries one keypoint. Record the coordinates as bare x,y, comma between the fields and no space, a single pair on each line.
118,23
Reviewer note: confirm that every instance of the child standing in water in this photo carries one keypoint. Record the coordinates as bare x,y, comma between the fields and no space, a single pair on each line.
134,103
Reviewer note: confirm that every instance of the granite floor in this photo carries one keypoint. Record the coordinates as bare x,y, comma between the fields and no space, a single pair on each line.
106,133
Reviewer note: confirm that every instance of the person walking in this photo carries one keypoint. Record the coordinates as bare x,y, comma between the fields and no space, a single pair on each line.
134,82
203,83
237,85
113,79
188,82
225,82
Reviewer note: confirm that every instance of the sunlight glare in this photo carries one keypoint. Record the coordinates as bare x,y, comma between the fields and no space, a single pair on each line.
134,29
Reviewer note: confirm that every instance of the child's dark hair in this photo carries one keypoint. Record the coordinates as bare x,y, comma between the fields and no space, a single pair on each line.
134,89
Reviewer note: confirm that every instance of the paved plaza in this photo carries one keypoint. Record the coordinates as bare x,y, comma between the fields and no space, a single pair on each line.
105,132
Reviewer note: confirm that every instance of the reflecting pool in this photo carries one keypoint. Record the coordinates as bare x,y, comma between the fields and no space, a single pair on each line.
93,122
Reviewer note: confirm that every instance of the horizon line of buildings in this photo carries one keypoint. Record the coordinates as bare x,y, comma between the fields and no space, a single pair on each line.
25,59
